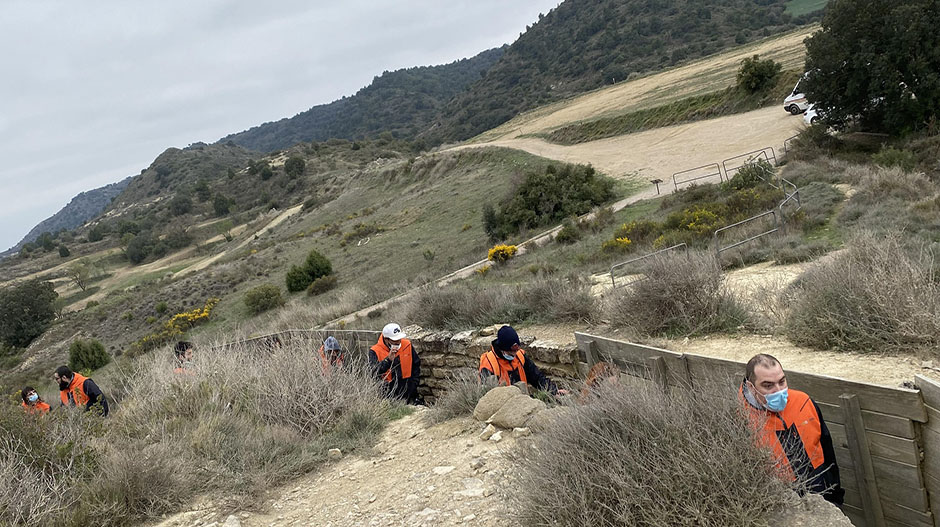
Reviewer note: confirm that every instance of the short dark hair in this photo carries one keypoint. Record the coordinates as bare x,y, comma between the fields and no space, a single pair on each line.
64,371
761,359
181,347
25,390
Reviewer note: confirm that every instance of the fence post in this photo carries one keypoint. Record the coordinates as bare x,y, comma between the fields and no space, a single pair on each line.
591,354
657,367
861,455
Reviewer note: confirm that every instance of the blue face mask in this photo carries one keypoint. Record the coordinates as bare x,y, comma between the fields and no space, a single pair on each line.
776,401
33,397
508,355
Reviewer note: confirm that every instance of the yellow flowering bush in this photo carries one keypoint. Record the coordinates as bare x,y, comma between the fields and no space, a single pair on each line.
483,270
502,253
617,245
176,326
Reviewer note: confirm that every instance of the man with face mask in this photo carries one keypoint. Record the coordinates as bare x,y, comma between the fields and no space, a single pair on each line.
791,424
331,354
506,361
393,360
78,390
32,402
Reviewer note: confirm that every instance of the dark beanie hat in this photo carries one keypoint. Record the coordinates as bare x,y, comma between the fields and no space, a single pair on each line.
506,338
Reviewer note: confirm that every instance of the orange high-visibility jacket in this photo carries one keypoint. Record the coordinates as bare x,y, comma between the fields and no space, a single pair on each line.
325,361
794,434
75,394
404,357
490,361
38,408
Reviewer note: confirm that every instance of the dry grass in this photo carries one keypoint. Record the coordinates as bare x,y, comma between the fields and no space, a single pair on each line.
681,294
244,419
636,456
462,392
879,295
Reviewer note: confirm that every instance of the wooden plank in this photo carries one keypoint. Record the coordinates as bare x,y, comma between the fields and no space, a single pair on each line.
855,515
901,402
929,388
881,445
933,418
905,516
864,469
658,374
931,442
899,474
633,357
911,498
933,483
874,421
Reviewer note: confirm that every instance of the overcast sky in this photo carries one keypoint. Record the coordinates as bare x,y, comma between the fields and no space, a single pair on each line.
92,92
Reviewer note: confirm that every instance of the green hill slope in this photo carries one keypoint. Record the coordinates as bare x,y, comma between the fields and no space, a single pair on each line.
586,44
403,102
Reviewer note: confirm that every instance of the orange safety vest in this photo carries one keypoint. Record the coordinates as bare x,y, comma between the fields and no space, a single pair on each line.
490,361
326,363
38,408
77,391
798,422
404,357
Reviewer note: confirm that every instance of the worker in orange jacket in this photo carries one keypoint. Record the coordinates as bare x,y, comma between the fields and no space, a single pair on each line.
792,426
506,361
331,354
32,402
184,357
77,390
393,360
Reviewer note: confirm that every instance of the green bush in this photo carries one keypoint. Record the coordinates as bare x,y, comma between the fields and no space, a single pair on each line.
569,233
294,166
64,251
181,204
315,266
756,75
751,175
546,197
26,310
263,298
893,157
161,307
322,285
87,355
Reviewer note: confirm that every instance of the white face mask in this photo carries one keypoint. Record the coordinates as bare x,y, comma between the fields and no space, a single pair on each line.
395,347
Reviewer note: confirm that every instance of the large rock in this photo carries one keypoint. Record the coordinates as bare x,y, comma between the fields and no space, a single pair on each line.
494,399
546,419
811,511
516,412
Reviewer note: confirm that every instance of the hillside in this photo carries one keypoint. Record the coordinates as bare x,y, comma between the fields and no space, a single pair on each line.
584,45
403,102
83,207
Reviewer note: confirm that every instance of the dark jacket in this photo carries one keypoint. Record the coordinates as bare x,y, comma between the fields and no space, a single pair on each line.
533,374
399,387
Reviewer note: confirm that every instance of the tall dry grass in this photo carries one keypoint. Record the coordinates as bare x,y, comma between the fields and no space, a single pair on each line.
242,419
881,294
637,456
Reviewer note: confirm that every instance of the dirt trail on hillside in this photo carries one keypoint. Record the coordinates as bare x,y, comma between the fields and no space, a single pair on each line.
661,152
709,74
415,475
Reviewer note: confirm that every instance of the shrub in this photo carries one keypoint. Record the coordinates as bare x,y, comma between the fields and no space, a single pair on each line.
263,298
893,157
160,308
681,294
546,197
87,355
294,166
569,233
181,204
878,295
461,394
617,245
26,310
701,220
637,456
638,231
221,205
322,285
751,175
501,253
756,75
316,265
64,251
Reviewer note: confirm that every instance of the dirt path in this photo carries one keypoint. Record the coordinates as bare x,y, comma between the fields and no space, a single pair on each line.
709,74
660,152
416,475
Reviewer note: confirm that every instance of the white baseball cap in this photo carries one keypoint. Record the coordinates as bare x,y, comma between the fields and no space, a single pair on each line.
393,332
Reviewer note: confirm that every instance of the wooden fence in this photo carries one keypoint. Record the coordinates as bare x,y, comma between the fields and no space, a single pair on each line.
887,440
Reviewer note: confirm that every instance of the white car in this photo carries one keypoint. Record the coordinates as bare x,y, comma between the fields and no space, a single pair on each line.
811,116
796,102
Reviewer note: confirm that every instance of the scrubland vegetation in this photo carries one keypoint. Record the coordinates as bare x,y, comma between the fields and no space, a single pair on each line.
237,422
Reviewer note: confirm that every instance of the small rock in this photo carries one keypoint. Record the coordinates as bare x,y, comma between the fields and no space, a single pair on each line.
521,432
469,517
245,515
232,521
497,437
477,463
334,454
440,471
372,498
488,432
487,492
486,332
